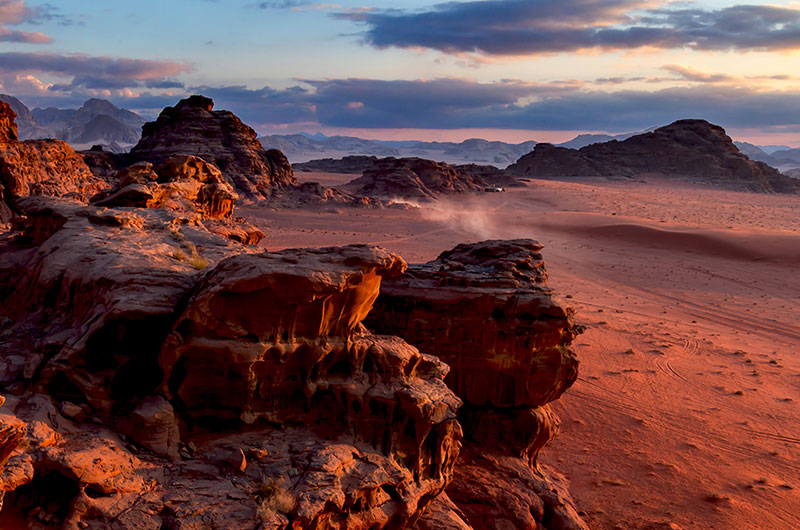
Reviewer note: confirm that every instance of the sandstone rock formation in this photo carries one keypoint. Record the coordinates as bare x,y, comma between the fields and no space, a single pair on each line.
356,164
693,149
193,127
486,310
38,167
412,178
151,392
185,183
103,164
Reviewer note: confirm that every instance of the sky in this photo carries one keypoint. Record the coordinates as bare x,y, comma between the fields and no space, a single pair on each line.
511,70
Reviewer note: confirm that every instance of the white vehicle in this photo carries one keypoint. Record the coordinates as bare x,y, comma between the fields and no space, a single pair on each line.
493,189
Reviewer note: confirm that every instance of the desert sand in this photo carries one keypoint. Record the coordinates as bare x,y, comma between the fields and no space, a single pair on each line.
686,412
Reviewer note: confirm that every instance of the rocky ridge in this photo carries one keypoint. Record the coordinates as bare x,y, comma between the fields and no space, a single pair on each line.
692,149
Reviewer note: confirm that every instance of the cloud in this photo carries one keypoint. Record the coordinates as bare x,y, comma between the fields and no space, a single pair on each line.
530,27
90,72
462,103
458,103
689,73
283,4
263,106
14,12
164,84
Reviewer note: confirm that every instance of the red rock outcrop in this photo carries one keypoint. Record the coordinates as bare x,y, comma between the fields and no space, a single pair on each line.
193,127
150,391
486,310
692,149
8,125
412,178
39,167
181,183
185,184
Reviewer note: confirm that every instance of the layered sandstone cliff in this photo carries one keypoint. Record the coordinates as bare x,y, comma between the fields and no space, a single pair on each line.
486,310
692,149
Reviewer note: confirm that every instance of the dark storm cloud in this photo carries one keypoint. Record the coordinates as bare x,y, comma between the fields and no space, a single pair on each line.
527,27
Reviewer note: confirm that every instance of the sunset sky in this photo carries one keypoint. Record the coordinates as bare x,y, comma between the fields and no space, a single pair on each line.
502,69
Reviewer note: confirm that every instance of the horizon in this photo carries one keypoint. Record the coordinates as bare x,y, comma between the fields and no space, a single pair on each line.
513,70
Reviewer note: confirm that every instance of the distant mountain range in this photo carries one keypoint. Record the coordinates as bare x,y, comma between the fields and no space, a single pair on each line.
100,122
303,147
781,157
97,122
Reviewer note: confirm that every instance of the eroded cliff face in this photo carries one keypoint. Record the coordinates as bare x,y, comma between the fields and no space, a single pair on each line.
485,309
239,393
39,167
193,127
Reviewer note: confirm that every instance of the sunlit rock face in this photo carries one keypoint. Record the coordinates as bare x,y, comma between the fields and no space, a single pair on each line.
39,167
277,336
486,310
193,127
181,183
248,393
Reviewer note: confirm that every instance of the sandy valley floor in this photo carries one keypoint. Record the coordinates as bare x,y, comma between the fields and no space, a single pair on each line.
686,412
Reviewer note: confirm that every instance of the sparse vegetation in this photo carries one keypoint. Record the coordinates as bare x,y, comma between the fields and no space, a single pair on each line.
198,262
179,255
271,497
176,235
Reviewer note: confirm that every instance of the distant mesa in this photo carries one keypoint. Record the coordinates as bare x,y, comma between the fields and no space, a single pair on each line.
419,179
193,127
346,165
689,149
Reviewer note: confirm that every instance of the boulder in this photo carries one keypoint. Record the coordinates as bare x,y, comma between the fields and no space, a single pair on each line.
92,290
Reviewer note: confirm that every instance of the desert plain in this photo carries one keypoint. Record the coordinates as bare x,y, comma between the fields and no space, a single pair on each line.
685,411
